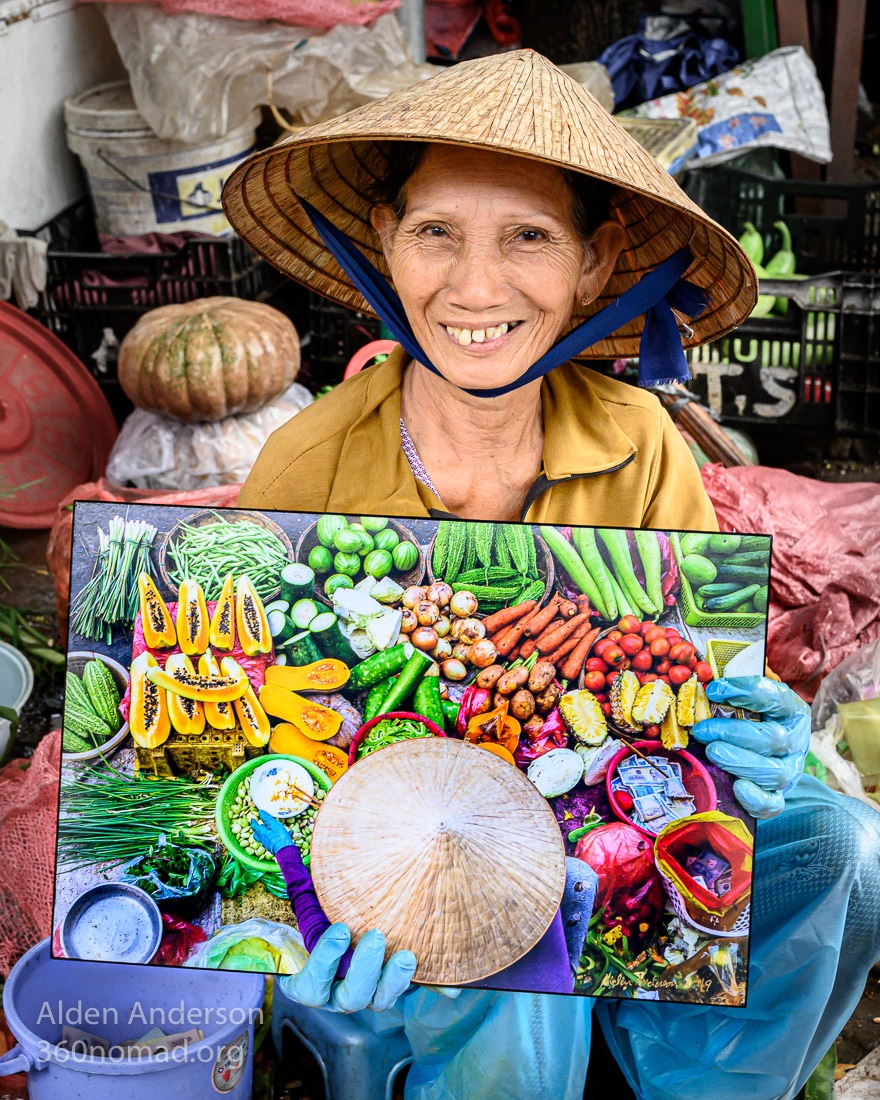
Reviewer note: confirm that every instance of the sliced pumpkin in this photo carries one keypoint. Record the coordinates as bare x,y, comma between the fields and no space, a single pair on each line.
148,717
156,621
187,715
497,726
192,618
290,741
318,722
220,716
221,634
325,675
206,689
251,623
498,750
251,716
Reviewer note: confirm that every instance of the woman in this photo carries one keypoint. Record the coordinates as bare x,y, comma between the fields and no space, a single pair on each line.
520,227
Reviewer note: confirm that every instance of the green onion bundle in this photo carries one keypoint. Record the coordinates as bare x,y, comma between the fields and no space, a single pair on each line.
208,553
108,817
111,598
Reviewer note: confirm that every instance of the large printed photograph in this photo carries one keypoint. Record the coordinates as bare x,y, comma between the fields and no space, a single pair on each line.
476,737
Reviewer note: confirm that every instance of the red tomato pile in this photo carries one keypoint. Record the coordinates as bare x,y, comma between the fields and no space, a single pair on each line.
653,652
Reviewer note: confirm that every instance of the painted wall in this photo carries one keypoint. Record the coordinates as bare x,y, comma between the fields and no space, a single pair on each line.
48,51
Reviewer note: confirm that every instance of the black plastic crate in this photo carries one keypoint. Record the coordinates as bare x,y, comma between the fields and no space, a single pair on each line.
833,226
817,366
93,298
335,334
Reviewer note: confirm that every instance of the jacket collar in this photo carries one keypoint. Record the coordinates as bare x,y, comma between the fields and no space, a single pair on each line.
587,442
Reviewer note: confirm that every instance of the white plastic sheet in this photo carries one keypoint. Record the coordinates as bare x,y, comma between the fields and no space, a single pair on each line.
196,77
155,452
775,101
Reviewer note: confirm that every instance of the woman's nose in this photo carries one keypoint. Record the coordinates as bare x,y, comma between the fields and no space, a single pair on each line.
477,279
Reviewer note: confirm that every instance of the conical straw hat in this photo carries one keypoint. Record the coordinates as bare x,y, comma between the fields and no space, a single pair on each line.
447,849
515,103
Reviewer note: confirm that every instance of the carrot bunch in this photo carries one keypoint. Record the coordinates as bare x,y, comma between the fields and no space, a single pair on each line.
560,632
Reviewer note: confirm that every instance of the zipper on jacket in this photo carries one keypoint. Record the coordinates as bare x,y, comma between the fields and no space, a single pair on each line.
540,485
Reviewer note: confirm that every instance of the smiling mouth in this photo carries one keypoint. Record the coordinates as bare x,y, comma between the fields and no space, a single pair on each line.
464,337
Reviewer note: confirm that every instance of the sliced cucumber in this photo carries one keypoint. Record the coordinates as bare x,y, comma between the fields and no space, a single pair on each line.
330,639
297,582
277,605
302,613
280,658
280,627
302,649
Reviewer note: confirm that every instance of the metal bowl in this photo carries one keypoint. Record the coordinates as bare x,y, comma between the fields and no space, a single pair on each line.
112,922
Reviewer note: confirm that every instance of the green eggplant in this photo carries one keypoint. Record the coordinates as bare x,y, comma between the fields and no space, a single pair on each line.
752,244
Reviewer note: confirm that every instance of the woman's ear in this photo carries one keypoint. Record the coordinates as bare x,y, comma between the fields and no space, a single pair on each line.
601,256
384,222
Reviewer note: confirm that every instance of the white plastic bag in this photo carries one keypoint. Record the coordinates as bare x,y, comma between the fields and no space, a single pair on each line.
155,452
846,718
775,101
196,77
284,943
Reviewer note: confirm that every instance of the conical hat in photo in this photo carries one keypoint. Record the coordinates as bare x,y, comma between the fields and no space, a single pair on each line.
447,849
517,103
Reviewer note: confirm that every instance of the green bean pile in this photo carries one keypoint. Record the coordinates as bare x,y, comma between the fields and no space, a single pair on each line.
300,827
207,554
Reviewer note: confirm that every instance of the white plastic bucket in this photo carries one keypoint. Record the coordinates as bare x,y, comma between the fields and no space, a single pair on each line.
120,1003
140,183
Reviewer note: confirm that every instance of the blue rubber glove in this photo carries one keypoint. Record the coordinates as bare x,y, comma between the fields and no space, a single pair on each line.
768,756
271,833
369,983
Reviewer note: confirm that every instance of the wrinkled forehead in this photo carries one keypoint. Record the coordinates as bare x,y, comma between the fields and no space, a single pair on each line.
465,179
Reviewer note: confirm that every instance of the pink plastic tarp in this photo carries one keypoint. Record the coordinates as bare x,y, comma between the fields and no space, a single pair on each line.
825,577
322,14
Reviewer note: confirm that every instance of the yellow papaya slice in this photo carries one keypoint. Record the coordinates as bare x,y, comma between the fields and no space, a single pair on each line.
251,716
187,715
148,716
206,689
220,716
192,618
221,634
318,722
251,623
156,621
290,741
324,675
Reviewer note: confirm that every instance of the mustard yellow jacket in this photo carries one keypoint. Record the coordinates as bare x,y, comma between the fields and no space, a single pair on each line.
612,457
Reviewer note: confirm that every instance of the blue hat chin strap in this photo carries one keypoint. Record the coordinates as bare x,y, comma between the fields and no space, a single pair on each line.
656,295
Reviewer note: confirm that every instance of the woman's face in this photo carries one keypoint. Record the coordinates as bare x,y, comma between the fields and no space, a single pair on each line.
488,263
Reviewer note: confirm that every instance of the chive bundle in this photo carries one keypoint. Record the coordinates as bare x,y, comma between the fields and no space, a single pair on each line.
207,554
111,598
110,818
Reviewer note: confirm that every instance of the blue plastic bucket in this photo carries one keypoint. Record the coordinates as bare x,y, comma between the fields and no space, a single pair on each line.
121,1004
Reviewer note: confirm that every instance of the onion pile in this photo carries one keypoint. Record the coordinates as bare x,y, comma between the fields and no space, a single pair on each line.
442,623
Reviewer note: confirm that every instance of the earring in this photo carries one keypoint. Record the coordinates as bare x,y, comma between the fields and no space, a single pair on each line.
585,301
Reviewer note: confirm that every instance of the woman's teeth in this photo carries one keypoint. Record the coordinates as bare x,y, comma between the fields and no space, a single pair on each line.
467,336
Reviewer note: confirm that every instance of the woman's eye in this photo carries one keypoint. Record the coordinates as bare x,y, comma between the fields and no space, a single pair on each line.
531,235
436,231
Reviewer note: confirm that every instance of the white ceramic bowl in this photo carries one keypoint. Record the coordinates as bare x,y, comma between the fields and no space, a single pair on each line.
16,677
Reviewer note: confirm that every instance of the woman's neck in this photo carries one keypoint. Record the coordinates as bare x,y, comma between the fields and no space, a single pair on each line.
482,454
